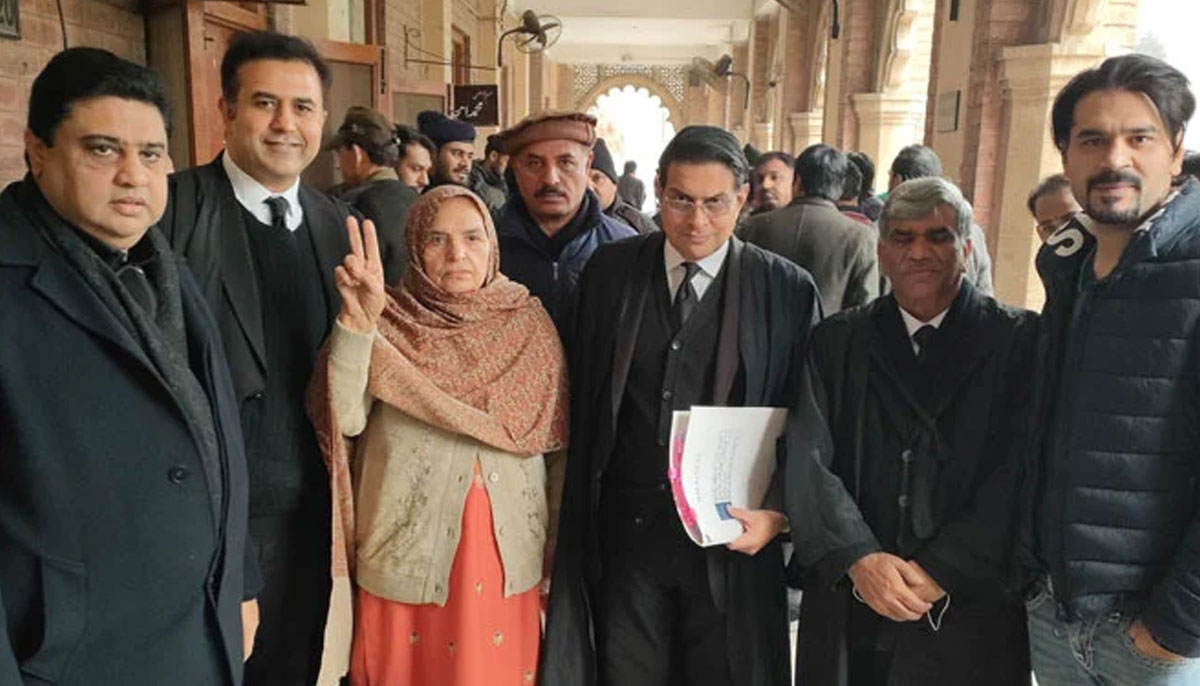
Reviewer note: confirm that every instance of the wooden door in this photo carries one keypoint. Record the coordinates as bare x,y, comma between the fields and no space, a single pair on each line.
357,72
210,26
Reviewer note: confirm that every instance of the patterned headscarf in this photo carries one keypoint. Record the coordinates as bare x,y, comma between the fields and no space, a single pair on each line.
486,364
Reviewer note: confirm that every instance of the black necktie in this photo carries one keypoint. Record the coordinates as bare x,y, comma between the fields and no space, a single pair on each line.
279,207
923,337
685,297
134,279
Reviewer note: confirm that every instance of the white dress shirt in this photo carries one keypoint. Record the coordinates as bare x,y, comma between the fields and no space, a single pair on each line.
710,267
912,324
253,195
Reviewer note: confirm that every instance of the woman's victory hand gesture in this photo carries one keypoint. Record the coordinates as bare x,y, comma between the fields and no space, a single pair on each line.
360,279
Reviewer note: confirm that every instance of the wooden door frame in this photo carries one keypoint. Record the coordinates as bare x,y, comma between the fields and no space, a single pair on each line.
364,54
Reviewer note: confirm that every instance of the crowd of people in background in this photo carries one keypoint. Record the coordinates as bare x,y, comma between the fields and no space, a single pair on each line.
414,430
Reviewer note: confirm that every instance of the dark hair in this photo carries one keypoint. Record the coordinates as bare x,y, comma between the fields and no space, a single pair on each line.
77,74
821,171
385,152
630,166
410,136
1191,164
775,155
1048,185
701,144
866,166
1165,86
916,162
493,146
852,186
250,46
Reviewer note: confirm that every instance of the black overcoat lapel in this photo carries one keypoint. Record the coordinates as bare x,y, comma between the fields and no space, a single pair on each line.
237,265
634,295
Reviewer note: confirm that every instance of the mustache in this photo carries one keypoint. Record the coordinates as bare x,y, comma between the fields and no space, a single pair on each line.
1113,176
550,190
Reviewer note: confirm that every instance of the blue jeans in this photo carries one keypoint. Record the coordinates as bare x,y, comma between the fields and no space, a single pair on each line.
1096,652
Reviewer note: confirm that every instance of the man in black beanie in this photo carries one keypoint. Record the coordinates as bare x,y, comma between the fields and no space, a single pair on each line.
455,141
603,178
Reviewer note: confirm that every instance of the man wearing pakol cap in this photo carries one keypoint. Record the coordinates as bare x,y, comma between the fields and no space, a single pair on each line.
455,141
553,223
368,147
604,184
487,176
689,315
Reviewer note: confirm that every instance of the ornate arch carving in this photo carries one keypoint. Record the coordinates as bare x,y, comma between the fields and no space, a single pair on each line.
673,106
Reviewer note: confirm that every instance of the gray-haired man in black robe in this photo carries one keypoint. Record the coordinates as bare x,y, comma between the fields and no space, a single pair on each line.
901,470
687,316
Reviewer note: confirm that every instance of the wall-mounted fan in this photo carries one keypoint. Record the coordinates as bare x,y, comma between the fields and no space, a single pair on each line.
714,73
535,33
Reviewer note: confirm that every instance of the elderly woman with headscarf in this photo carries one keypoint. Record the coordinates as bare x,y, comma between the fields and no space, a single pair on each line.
455,388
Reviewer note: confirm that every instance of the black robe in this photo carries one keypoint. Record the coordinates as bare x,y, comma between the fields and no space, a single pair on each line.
770,307
867,416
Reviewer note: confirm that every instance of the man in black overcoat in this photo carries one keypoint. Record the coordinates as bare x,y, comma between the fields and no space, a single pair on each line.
901,474
687,316
263,247
122,476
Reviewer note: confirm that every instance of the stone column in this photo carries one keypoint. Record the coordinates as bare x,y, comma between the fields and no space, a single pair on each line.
1031,76
520,78
887,123
806,129
761,135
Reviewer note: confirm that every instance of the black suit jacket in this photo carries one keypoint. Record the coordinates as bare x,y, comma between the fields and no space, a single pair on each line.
204,224
386,202
769,307
838,251
115,568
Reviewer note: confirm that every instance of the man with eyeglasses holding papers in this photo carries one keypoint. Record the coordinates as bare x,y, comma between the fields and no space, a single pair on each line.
687,316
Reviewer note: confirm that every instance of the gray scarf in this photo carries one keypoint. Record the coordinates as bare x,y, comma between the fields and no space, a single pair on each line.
162,333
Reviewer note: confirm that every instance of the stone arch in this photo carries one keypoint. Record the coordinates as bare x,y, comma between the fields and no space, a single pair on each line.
673,106
899,42
819,56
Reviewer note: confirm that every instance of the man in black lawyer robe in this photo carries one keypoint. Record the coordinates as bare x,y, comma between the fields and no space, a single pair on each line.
687,316
901,468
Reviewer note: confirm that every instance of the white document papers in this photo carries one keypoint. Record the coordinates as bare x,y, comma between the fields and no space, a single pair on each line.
721,457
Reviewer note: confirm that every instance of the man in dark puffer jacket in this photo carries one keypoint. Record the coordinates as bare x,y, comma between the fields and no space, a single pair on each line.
1111,523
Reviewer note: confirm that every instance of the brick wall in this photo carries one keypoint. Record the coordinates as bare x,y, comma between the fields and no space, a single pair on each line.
999,23
114,25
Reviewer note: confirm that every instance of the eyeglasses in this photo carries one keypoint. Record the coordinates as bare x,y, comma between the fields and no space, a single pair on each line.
713,207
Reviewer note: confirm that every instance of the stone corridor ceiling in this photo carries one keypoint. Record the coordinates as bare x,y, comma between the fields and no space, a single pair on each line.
637,31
